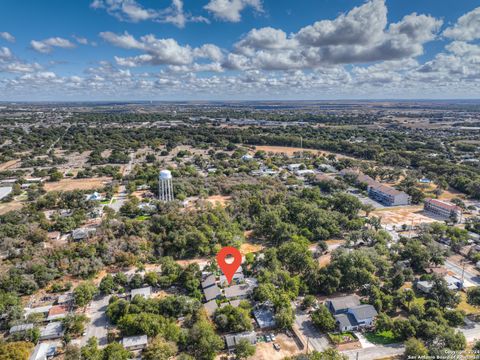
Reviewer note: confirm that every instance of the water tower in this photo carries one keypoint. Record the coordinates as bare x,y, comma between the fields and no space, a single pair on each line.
165,186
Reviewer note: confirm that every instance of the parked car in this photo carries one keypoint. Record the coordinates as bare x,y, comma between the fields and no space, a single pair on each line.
268,338
276,346
272,336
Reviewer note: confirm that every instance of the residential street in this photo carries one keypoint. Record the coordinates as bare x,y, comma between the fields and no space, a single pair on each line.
377,352
98,321
315,340
468,275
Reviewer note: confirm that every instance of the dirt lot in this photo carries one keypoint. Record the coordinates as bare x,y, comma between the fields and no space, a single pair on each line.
403,215
291,150
246,248
265,351
13,205
9,164
77,184
218,199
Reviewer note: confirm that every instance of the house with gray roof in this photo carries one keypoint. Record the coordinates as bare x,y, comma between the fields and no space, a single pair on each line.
212,292
53,330
210,307
350,314
241,291
20,328
133,343
210,280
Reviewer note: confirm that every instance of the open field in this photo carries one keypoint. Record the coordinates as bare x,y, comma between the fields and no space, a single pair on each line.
13,205
77,184
290,151
403,215
9,164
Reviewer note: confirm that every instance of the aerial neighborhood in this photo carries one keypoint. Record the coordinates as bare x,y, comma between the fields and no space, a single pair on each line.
239,180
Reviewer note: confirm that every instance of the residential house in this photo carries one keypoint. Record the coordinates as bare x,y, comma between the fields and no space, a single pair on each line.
241,291
57,312
144,292
53,330
133,343
210,307
37,310
44,351
350,314
212,292
83,233
265,318
20,328
232,340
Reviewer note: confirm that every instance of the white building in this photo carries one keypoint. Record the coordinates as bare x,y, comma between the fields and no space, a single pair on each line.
443,208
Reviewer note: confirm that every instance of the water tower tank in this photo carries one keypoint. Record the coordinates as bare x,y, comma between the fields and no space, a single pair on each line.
165,174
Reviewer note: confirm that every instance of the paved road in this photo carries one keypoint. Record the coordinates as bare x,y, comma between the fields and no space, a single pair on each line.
471,331
98,321
118,199
316,340
376,352
458,269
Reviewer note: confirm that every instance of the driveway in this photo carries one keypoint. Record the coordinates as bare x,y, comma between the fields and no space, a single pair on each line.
363,340
98,325
314,340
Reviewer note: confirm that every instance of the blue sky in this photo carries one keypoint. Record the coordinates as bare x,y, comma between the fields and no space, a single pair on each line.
238,49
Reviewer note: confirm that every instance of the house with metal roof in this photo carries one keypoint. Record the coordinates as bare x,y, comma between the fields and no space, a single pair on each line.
44,351
20,328
53,330
144,292
133,343
232,340
57,312
265,318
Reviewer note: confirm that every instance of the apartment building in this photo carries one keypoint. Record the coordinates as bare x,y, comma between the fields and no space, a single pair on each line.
443,208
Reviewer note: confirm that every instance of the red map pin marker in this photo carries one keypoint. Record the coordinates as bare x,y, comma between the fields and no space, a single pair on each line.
229,269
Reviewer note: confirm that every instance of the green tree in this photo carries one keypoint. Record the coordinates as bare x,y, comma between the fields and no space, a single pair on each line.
160,349
202,341
19,350
473,296
244,349
115,351
323,319
84,293
107,285
415,349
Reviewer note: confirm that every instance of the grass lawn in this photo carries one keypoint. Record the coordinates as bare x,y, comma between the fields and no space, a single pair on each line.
381,337
463,305
142,217
342,338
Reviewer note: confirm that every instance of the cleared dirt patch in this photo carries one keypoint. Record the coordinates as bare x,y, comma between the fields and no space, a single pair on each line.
13,205
290,151
265,351
218,200
9,164
77,184
246,248
403,215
